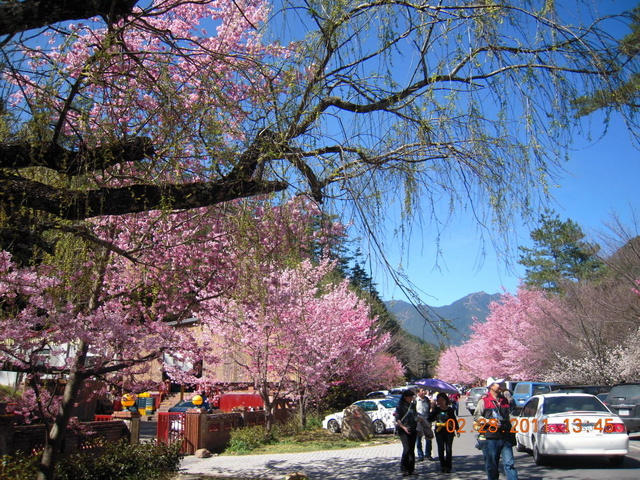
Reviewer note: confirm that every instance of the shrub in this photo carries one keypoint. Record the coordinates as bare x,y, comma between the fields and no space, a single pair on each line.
290,428
246,439
314,420
15,467
122,460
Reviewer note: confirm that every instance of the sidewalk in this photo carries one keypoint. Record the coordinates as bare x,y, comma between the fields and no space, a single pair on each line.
371,463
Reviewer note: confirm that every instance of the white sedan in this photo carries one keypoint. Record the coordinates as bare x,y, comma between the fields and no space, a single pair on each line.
570,424
380,410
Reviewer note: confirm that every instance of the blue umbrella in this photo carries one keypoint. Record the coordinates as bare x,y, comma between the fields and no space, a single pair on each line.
437,385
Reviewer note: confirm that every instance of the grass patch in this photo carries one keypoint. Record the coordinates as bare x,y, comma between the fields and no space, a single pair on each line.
296,440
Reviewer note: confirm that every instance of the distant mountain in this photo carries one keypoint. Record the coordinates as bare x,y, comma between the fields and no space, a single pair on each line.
460,315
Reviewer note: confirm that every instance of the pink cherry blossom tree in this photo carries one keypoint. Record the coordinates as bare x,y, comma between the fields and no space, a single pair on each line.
457,365
295,332
109,307
588,335
511,343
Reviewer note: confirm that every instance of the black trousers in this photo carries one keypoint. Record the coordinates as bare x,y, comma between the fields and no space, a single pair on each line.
444,440
408,459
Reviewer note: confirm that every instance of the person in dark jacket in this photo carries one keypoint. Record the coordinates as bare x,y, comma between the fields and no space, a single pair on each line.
443,418
493,423
407,425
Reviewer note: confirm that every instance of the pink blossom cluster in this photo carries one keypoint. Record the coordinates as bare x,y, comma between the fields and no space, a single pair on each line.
298,330
251,275
506,345
536,336
186,74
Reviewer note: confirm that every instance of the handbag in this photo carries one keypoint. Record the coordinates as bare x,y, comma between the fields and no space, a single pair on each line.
424,427
428,429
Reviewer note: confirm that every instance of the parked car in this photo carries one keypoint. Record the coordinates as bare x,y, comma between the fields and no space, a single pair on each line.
590,389
570,424
379,410
523,391
508,384
182,406
473,395
399,390
624,400
377,394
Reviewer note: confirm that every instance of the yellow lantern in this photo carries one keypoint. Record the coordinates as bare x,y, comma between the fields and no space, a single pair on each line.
197,400
128,400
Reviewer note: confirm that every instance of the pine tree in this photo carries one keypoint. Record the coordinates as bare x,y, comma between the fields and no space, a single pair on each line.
559,254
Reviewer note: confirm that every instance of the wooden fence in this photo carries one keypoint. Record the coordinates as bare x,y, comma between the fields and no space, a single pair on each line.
31,438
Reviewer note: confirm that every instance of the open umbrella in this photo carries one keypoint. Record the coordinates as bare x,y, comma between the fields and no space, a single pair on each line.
437,385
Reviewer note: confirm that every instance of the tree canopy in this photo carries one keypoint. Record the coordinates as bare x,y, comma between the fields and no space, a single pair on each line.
127,129
176,105
560,254
627,93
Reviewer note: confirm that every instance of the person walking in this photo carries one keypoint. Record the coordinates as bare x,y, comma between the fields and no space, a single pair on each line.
443,416
506,393
492,421
407,424
455,402
423,407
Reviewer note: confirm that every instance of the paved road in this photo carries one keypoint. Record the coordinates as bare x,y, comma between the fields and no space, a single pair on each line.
382,463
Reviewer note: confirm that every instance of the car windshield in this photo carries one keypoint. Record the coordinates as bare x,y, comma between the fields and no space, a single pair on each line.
389,403
572,404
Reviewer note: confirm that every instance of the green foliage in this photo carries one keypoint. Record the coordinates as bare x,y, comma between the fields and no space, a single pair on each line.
338,397
122,460
627,92
314,421
559,254
247,439
8,394
14,467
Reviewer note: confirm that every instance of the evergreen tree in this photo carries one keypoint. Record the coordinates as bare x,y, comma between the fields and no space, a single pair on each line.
627,93
559,254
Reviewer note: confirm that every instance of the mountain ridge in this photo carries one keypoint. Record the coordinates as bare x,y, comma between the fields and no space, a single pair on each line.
450,324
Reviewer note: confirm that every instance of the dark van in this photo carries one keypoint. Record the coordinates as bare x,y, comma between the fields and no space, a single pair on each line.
624,400
590,389
524,390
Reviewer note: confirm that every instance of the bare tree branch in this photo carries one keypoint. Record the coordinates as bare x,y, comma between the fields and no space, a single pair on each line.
26,15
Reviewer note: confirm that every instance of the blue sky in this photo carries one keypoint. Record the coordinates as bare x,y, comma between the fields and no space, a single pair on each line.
601,179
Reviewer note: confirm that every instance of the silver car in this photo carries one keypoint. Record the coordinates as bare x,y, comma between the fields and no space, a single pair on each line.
473,395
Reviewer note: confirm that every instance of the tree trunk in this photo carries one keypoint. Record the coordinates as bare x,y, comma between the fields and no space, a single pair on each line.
55,436
303,409
268,408
77,376
24,15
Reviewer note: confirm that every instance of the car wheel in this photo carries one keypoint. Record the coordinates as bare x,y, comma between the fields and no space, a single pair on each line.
520,447
616,460
333,426
378,427
538,458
